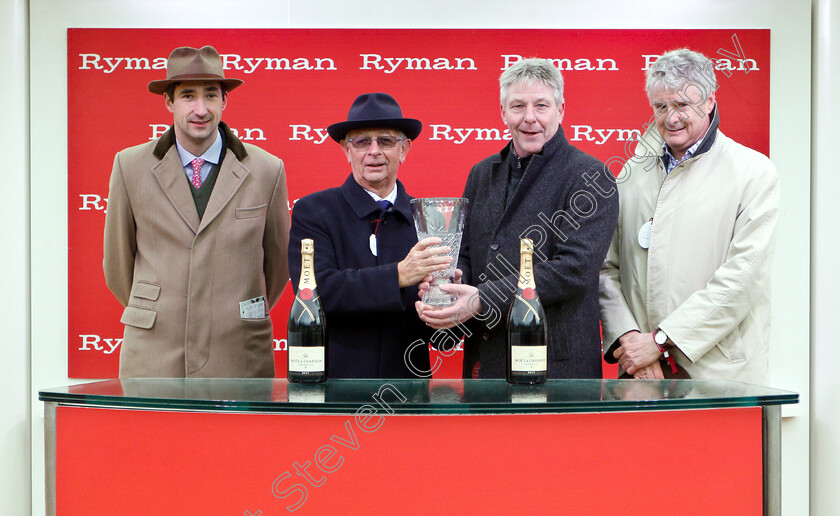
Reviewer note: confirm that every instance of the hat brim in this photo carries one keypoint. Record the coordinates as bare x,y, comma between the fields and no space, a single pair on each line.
409,126
159,87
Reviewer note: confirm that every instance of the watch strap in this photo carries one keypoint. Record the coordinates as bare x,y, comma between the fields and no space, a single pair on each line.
663,348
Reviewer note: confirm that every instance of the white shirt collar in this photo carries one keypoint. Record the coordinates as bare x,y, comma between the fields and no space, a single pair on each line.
211,155
391,197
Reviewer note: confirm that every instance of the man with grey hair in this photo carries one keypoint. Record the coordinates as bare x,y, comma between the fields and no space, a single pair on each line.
540,187
686,281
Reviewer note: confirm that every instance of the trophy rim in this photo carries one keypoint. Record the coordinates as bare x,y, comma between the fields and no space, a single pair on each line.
418,200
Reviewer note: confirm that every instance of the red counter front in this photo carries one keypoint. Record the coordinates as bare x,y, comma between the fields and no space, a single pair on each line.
269,456
133,462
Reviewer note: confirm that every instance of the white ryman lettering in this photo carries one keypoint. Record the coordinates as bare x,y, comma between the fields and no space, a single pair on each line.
318,135
584,132
392,64
600,64
109,64
92,343
462,134
251,64
249,134
247,65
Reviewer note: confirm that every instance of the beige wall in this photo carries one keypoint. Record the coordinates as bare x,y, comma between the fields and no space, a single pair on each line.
790,139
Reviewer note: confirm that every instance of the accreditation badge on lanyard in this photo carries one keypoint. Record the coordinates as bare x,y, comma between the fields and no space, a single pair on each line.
644,234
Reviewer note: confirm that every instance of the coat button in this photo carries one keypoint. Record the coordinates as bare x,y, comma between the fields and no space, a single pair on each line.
494,246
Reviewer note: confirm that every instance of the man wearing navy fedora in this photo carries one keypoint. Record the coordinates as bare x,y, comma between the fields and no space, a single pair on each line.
367,257
196,236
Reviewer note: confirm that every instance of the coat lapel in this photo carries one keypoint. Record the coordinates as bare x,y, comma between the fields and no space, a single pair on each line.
231,176
498,184
170,176
531,177
360,201
403,204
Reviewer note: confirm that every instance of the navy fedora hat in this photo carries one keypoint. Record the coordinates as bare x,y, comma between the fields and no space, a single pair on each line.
375,110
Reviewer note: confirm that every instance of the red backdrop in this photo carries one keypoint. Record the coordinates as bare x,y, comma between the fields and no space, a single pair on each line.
299,81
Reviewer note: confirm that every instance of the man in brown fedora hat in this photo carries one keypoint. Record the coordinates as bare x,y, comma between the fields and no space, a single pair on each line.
367,258
196,236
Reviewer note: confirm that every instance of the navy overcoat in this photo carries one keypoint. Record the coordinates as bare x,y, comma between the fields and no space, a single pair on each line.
371,321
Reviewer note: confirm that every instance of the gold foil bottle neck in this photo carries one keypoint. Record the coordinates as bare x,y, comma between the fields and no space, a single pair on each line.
526,246
307,266
307,246
526,264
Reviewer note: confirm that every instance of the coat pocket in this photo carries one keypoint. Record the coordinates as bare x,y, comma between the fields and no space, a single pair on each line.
138,317
732,347
145,290
251,213
144,295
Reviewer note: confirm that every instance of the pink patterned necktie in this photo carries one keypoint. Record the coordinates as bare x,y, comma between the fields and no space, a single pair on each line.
196,179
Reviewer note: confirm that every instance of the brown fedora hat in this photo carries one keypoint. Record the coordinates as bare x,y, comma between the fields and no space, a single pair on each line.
193,64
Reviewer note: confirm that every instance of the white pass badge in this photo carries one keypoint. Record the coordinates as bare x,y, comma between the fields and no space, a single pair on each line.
252,308
644,234
373,245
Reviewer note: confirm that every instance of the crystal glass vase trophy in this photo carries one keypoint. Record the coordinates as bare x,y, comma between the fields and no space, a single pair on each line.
441,217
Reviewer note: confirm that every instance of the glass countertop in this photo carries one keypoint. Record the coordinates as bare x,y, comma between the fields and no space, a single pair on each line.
415,396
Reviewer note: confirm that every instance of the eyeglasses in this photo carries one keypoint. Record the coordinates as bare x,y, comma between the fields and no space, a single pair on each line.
384,142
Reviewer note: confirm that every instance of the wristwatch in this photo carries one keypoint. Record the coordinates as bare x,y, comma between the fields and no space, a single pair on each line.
661,341
660,338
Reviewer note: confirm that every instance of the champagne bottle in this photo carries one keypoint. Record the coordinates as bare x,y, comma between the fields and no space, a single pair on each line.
527,350
307,327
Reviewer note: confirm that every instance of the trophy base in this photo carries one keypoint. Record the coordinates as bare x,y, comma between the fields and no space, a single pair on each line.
438,298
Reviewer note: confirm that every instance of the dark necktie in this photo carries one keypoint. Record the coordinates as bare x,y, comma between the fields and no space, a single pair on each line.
384,204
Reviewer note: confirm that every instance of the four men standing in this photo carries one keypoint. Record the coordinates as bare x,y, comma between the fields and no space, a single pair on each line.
197,238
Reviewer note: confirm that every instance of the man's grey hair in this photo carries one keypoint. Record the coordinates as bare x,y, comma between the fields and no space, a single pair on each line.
677,68
530,71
